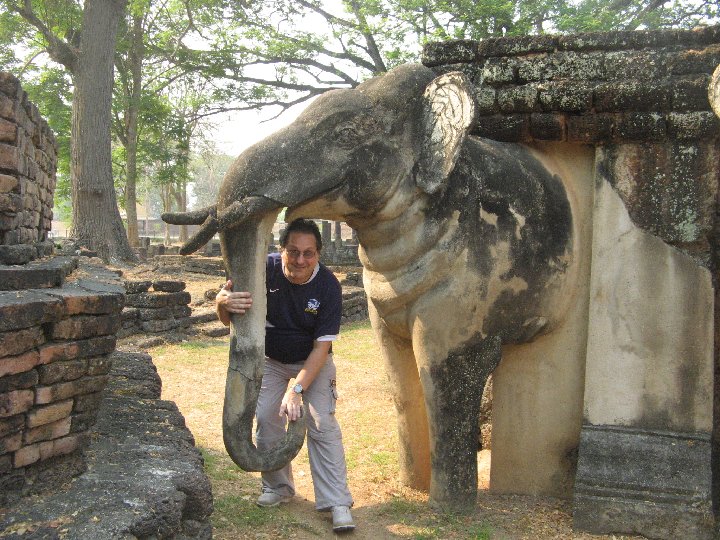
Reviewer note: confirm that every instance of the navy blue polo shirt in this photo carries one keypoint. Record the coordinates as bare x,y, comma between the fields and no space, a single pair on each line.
299,314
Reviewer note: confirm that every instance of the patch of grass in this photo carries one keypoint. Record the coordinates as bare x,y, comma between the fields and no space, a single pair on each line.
246,518
218,468
419,524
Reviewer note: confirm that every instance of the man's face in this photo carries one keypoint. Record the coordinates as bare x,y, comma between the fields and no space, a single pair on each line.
299,256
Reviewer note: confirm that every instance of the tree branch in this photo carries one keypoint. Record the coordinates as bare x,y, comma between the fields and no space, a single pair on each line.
59,50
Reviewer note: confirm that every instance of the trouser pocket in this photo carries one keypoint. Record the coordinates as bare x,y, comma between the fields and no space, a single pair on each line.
333,395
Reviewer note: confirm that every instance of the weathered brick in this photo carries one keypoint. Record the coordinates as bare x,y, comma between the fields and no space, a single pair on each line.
518,98
566,96
77,349
11,424
100,365
8,183
693,125
547,127
8,131
51,413
451,52
60,391
590,128
27,455
16,402
499,70
5,466
68,370
162,325
85,326
155,299
10,158
180,312
11,443
79,301
641,127
154,314
59,351
691,93
8,107
632,95
21,381
510,128
167,285
50,431
62,446
12,365
130,314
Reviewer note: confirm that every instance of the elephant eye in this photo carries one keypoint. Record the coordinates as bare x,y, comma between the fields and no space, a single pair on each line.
347,135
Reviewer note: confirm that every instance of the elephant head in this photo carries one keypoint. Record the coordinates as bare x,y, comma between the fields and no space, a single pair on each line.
352,154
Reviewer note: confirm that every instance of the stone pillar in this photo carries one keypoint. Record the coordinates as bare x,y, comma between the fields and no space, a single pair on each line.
338,236
326,236
644,462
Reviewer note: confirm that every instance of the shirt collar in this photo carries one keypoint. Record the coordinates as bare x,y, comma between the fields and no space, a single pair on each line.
312,276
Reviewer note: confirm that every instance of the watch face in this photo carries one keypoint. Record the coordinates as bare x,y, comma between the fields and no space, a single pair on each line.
298,388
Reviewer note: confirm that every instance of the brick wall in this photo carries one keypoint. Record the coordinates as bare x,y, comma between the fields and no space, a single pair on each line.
589,88
28,164
54,348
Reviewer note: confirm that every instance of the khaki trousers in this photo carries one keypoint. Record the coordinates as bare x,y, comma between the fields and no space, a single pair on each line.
324,439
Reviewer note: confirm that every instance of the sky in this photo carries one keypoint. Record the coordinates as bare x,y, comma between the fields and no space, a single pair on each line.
239,130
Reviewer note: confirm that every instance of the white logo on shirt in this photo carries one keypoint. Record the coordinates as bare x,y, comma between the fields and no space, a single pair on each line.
312,306
275,290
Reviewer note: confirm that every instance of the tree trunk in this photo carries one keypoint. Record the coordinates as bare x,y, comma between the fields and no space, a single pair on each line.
96,219
136,62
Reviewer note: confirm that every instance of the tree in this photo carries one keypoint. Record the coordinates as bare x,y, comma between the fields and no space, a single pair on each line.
86,49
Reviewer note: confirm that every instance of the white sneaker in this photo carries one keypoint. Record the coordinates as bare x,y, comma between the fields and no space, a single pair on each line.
268,498
342,519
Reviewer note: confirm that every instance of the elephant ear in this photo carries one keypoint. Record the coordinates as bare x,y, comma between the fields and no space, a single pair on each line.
448,112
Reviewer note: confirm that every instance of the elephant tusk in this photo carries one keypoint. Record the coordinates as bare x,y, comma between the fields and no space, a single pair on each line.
231,216
195,217
239,211
202,237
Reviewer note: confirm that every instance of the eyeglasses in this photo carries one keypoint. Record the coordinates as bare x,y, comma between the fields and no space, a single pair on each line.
307,254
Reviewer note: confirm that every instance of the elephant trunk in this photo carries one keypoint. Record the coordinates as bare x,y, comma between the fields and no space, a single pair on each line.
245,250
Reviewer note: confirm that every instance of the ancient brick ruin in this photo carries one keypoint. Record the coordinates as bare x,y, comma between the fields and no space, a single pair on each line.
28,160
70,403
623,425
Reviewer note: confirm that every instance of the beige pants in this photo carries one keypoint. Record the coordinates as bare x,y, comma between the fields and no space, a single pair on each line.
324,439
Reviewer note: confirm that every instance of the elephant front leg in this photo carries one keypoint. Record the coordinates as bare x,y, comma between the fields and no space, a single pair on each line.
453,391
413,438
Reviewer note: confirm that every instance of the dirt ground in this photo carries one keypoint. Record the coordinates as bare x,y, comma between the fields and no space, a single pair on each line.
383,507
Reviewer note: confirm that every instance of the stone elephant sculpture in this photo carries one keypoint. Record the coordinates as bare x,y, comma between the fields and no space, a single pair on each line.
466,245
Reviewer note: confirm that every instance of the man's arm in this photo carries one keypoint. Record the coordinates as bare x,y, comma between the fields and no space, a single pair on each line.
228,302
292,402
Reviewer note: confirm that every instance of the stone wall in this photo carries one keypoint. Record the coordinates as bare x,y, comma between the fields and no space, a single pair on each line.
28,162
600,410
163,309
144,476
55,339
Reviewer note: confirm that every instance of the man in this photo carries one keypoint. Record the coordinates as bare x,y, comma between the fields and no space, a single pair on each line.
304,306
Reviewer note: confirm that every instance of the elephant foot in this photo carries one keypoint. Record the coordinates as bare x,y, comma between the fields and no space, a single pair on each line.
454,503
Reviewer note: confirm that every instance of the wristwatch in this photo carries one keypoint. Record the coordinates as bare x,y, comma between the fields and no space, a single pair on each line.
298,389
